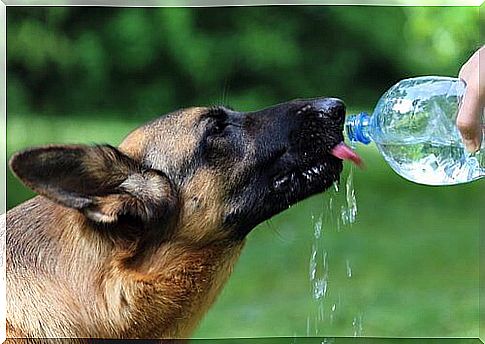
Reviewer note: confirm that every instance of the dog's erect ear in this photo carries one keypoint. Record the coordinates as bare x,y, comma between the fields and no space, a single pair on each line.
100,181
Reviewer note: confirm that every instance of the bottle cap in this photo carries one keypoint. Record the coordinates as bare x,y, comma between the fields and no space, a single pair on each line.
354,126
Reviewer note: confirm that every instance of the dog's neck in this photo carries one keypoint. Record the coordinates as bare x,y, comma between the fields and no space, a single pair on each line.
164,295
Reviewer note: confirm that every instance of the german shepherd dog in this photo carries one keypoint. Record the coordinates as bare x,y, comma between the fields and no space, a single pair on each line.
137,241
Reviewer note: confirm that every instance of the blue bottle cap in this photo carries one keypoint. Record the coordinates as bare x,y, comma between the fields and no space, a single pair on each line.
354,126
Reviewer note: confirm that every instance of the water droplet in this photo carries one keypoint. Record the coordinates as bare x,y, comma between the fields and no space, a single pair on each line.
357,325
349,210
348,268
318,227
313,263
319,288
335,186
325,262
320,312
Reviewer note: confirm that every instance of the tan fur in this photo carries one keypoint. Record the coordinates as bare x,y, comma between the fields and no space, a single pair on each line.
64,279
134,143
173,286
203,208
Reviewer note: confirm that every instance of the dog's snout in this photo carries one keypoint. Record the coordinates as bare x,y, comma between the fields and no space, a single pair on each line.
332,107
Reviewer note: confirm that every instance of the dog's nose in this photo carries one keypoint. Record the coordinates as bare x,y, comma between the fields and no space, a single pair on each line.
332,107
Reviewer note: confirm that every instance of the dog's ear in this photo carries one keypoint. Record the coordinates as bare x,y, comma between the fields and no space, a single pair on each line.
100,181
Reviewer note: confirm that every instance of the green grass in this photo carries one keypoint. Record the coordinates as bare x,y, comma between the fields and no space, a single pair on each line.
413,251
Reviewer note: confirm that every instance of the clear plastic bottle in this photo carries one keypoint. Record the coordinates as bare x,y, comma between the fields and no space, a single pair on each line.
413,126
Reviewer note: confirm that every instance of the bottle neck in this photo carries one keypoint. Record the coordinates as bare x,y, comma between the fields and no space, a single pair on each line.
356,128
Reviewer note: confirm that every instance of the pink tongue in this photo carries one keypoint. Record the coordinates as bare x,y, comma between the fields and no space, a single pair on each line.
344,152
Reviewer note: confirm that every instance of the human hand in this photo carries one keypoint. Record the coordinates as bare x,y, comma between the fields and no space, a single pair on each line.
469,119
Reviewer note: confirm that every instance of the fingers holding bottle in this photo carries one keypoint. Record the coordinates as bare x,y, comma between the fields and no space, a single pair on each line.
470,117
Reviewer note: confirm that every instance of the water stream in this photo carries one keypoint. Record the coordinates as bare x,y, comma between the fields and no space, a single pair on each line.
338,214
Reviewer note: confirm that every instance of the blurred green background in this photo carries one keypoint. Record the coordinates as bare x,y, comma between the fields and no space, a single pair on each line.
92,74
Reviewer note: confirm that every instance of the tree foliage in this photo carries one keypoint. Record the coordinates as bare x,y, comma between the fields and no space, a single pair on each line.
137,61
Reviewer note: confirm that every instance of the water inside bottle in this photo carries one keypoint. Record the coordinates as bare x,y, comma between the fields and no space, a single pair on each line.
414,127
433,163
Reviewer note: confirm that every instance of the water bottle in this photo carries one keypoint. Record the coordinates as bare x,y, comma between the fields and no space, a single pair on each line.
413,126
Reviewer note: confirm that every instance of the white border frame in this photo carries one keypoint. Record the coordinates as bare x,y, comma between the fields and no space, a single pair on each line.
225,3
3,166
159,3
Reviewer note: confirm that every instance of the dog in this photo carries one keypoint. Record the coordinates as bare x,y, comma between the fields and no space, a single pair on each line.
137,241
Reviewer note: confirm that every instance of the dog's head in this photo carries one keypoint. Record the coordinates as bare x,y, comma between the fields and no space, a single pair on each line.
214,172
